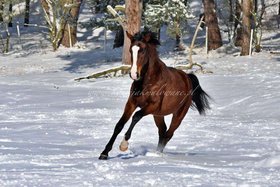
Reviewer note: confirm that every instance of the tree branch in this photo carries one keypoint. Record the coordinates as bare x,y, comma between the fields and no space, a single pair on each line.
124,68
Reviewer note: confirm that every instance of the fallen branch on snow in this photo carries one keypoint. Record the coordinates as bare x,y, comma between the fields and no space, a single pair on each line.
124,68
275,52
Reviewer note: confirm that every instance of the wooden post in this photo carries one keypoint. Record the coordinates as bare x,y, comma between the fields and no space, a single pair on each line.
105,38
69,35
251,41
6,50
18,32
206,40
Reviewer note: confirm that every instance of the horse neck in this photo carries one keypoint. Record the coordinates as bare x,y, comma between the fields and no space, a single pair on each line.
156,66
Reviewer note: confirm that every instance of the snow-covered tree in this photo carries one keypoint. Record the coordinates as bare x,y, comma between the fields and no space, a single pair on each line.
174,13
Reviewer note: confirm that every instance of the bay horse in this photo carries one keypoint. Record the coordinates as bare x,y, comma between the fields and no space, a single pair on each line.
158,90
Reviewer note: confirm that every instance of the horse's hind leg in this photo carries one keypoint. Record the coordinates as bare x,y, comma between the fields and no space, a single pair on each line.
159,120
129,109
175,123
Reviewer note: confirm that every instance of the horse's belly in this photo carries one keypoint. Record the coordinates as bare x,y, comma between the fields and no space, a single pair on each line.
171,105
163,102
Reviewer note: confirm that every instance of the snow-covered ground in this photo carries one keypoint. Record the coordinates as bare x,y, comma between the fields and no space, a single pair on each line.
53,129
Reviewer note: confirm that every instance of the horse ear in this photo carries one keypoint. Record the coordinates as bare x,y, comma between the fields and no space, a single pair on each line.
147,37
129,35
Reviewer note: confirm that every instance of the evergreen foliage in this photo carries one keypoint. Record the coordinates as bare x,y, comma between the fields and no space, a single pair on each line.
173,13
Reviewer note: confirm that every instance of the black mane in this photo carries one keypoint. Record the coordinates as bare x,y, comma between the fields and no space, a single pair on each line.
141,35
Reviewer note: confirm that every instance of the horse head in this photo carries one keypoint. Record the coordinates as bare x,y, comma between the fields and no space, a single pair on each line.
141,50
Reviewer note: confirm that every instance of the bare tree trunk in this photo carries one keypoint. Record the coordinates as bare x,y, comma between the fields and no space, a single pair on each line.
1,10
279,9
278,19
119,38
133,12
237,31
214,35
258,17
238,10
158,34
231,15
27,13
10,15
179,44
246,29
256,6
69,35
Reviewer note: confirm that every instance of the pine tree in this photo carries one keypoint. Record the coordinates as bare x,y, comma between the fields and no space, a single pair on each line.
171,12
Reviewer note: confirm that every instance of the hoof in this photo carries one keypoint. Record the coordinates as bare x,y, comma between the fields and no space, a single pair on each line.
124,145
103,157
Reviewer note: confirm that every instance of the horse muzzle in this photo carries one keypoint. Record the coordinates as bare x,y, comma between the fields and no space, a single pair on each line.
135,76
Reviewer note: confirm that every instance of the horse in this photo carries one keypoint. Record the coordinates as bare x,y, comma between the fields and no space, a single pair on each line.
158,90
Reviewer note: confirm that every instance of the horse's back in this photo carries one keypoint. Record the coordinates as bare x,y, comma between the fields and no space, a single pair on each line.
179,76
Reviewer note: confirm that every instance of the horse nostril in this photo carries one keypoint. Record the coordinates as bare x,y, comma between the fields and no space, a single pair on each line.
137,75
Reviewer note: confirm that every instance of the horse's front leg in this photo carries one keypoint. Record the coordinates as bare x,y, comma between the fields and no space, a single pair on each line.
136,117
128,111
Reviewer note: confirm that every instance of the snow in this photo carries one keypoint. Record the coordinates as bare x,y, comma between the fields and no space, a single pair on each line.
53,129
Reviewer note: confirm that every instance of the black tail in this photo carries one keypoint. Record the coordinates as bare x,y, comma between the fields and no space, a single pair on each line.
199,97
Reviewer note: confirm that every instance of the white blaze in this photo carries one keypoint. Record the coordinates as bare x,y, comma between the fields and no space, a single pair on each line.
133,71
